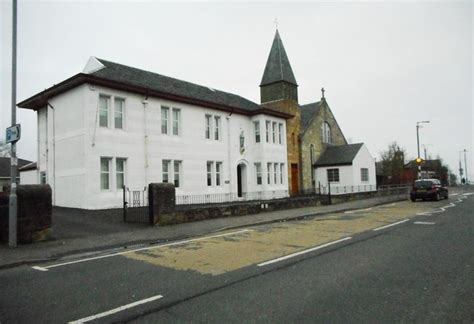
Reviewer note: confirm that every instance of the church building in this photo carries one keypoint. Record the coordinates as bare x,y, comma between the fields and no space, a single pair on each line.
311,131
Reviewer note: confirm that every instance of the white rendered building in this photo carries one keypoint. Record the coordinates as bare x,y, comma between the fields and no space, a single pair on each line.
113,126
346,168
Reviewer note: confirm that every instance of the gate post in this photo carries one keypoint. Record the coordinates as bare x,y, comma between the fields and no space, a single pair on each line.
124,205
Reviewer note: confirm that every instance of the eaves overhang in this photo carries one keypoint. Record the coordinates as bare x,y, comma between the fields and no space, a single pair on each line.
41,99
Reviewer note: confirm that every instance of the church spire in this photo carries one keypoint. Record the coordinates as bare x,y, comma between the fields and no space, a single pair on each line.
278,81
278,66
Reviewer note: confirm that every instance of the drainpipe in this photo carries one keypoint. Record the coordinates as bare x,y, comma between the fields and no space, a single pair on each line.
229,152
54,153
145,105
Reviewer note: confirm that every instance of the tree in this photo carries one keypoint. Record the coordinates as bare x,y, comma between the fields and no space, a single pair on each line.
393,161
4,149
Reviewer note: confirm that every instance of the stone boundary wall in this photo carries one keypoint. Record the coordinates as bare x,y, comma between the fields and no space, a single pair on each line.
34,213
164,211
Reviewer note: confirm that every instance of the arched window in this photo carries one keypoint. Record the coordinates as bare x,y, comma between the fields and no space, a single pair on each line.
326,133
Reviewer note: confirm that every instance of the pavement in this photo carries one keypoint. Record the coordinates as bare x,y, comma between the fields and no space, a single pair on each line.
78,233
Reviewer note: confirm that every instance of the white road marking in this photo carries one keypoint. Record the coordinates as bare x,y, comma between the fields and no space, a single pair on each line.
468,193
454,194
302,252
141,249
389,225
116,310
449,206
356,210
424,223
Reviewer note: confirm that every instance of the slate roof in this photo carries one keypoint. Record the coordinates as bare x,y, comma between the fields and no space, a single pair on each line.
155,81
338,155
278,66
5,166
126,78
307,113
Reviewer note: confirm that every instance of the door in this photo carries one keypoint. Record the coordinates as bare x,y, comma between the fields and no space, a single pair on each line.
294,178
239,181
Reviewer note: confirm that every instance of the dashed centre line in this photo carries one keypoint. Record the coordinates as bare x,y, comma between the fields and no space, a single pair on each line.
390,225
115,310
286,257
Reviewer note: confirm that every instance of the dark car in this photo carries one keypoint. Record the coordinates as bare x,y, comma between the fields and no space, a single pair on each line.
428,189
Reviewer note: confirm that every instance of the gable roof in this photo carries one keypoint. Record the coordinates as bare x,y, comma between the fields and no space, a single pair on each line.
278,66
135,80
338,155
308,112
5,166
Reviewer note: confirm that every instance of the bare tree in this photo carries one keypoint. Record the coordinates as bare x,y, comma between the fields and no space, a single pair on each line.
393,161
4,149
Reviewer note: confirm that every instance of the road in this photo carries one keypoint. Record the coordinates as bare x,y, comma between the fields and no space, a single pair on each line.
401,262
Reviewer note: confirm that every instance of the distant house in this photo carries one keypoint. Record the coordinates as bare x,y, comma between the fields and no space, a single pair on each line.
347,168
5,171
29,174
430,169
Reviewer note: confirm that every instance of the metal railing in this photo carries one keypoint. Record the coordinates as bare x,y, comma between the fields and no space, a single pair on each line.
219,198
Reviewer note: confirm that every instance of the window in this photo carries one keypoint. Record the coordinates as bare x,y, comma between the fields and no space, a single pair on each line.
282,166
43,177
120,172
177,171
218,173
164,119
258,173
267,131
256,125
176,120
275,171
364,174
209,173
104,111
269,175
280,132
326,133
274,126
217,125
165,170
105,173
119,105
208,126
333,175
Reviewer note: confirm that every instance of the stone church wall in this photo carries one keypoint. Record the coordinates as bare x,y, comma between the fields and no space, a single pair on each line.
313,135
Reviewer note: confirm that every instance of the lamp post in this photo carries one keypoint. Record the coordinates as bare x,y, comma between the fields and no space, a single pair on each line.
418,141
465,166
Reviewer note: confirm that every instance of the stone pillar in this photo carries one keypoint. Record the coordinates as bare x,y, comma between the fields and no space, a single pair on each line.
161,200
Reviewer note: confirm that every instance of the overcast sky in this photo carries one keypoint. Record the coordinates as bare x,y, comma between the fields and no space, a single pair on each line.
384,65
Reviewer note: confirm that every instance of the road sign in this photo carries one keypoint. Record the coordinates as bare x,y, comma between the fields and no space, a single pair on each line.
13,133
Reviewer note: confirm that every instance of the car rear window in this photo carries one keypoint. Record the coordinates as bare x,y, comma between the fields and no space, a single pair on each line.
423,184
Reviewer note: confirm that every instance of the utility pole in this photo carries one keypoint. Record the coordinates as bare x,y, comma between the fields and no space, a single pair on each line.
418,142
12,207
465,166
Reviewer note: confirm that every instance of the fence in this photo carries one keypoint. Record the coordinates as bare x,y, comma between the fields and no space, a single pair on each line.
135,206
229,197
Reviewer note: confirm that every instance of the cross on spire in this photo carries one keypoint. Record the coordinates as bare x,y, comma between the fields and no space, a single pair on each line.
276,23
322,91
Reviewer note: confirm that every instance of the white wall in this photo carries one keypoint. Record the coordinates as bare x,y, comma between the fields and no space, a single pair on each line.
61,136
29,177
350,175
70,151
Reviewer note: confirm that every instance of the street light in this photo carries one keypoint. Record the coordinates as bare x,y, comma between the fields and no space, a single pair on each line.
418,141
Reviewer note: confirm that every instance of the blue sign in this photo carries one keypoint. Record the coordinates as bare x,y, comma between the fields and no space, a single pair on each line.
13,133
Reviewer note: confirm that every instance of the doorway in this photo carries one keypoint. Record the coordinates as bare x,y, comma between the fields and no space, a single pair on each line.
241,180
294,179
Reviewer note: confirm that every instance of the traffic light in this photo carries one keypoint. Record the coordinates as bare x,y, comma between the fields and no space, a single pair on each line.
419,160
